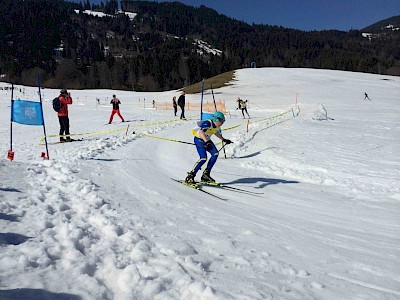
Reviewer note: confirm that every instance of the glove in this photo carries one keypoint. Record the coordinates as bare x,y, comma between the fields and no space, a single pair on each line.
226,141
208,145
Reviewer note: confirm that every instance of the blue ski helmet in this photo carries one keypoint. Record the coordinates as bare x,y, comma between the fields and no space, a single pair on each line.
218,117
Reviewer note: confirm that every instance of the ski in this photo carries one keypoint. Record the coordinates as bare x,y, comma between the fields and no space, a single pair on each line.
196,186
224,186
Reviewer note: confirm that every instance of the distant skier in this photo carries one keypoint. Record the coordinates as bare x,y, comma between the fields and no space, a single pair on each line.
154,104
243,106
175,105
115,102
181,103
202,138
366,97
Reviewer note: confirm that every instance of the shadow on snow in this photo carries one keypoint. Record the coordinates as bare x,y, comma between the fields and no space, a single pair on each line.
255,153
35,294
10,190
6,217
12,239
263,182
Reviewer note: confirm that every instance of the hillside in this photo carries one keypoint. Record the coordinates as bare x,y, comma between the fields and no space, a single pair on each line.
153,46
387,24
102,219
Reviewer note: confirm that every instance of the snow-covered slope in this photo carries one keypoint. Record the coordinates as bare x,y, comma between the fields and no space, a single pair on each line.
102,218
101,14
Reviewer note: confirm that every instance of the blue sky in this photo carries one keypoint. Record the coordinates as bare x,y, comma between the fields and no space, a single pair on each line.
303,14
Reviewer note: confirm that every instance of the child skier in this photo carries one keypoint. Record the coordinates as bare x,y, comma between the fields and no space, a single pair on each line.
202,138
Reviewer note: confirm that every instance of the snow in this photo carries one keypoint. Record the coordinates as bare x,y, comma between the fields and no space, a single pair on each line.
103,220
390,26
94,13
131,15
101,14
205,47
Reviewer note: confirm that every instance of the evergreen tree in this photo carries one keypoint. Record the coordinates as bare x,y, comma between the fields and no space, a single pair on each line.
157,49
87,5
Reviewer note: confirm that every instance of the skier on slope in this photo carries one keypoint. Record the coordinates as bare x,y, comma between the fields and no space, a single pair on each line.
115,103
202,139
243,106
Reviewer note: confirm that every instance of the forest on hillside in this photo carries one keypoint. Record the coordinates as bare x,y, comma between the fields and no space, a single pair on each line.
159,49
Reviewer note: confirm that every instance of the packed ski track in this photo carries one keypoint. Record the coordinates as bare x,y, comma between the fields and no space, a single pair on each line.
102,218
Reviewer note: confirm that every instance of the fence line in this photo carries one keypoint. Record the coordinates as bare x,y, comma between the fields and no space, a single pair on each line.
189,105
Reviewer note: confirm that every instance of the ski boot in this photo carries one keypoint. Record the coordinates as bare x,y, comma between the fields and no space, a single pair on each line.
206,176
190,178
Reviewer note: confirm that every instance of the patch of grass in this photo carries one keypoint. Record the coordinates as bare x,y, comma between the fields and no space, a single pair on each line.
218,81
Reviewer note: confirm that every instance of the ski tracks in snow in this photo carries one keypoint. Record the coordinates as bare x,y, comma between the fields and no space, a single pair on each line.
313,170
79,238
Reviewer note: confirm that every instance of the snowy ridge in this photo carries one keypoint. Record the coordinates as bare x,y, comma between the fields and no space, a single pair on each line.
391,27
83,234
243,137
92,243
294,169
101,14
377,35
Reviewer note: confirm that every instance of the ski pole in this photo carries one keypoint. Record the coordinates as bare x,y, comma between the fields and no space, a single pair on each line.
166,139
223,147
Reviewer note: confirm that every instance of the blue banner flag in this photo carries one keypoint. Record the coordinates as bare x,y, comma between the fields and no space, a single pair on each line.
27,112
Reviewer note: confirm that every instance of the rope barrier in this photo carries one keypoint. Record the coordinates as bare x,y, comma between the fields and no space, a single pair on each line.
262,120
189,143
165,122
162,122
170,140
108,131
81,134
165,139
229,128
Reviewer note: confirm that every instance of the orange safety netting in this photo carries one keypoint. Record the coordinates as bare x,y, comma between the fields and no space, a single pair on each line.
207,106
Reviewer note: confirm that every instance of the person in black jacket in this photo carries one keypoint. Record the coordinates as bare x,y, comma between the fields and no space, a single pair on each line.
175,105
181,103
115,102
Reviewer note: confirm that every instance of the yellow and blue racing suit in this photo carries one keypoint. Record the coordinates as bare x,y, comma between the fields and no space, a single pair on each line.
209,128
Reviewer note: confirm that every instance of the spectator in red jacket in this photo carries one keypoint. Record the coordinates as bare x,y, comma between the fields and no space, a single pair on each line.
115,102
65,99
